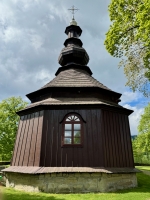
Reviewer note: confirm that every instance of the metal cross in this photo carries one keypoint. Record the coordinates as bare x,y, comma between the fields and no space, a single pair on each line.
73,10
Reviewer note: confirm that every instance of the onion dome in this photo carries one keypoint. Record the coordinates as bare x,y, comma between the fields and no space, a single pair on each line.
73,51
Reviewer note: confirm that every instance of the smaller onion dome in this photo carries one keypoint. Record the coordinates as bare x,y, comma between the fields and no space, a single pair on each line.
73,51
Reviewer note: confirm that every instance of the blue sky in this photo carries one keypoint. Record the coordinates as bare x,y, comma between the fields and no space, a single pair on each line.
32,36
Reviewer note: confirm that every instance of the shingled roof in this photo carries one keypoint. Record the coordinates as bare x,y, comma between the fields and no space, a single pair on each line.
73,101
75,78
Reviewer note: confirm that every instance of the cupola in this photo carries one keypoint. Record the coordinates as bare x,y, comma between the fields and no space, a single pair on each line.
73,52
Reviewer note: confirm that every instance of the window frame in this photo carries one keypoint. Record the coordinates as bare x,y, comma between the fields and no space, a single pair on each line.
72,130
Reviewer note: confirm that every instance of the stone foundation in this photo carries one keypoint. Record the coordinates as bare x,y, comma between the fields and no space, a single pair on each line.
70,182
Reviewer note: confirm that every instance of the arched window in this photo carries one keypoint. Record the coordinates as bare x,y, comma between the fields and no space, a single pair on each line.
72,130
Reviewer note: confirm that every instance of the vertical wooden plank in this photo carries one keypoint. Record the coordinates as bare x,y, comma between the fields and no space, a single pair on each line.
44,137
21,141
106,150
112,139
118,144
93,137
38,140
125,140
28,141
54,138
130,151
121,141
33,140
25,157
107,139
15,152
102,138
79,153
89,138
49,139
68,156
60,135
86,140
24,141
62,157
59,139
100,156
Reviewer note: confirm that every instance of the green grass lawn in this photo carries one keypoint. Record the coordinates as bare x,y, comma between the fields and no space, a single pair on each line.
142,192
143,167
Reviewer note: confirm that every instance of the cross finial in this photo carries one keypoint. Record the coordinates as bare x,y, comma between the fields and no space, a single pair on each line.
73,10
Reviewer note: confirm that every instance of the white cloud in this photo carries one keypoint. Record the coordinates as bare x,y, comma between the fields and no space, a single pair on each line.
129,96
44,76
36,41
11,34
134,118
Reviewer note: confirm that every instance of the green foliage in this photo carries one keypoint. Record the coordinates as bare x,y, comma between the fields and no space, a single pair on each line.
129,37
144,125
8,124
141,145
147,168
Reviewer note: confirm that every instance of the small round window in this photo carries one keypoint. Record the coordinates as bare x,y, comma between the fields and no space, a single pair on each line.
72,130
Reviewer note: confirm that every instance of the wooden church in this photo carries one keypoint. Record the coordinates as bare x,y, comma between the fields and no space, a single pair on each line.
74,136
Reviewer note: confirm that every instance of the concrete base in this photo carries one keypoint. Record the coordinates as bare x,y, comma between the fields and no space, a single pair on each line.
71,182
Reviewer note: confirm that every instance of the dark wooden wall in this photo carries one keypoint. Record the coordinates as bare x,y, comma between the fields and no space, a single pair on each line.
107,141
28,141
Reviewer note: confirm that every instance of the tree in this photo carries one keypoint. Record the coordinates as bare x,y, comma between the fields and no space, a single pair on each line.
144,124
9,124
141,145
144,130
129,38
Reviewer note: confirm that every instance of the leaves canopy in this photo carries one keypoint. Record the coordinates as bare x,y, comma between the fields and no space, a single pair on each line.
129,37
141,145
144,124
9,124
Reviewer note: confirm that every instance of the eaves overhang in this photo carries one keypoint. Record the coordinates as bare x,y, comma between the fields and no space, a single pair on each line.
49,90
78,106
